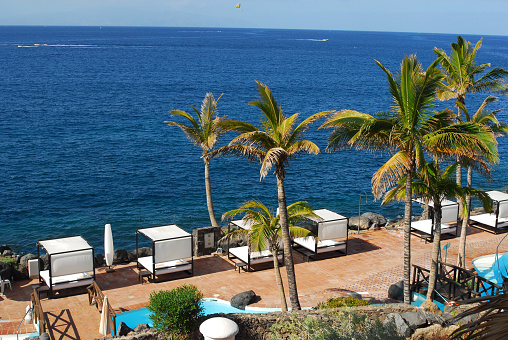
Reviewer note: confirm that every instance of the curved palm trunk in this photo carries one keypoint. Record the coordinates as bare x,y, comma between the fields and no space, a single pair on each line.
436,247
286,241
407,236
208,187
458,175
278,278
465,221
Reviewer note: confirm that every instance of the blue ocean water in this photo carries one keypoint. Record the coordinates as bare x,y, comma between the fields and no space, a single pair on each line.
83,140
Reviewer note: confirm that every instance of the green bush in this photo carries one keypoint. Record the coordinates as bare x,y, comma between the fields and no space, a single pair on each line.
176,311
339,326
342,302
10,261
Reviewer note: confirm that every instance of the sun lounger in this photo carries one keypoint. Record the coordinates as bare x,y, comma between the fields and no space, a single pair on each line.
449,215
332,235
250,257
497,222
71,263
171,250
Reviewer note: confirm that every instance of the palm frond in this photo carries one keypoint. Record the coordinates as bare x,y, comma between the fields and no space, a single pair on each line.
390,172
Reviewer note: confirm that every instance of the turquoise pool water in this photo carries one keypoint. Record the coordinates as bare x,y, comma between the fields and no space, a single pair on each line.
418,299
491,269
135,317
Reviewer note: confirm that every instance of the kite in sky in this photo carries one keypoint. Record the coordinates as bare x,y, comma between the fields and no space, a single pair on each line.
239,4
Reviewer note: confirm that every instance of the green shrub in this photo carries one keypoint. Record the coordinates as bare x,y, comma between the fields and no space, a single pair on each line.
176,311
10,261
342,302
339,326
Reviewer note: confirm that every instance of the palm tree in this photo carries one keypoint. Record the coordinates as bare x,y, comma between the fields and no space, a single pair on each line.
432,183
273,145
204,133
489,120
408,130
265,231
462,76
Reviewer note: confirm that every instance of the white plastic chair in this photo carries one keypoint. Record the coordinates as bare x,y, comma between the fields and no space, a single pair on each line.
3,283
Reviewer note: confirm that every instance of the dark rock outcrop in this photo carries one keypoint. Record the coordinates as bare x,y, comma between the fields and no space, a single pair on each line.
243,299
5,270
400,325
361,221
375,219
396,291
120,256
123,329
142,252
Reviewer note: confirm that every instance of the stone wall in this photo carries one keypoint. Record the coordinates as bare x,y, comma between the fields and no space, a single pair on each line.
205,240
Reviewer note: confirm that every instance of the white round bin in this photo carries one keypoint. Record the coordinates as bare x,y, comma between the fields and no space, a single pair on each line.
219,329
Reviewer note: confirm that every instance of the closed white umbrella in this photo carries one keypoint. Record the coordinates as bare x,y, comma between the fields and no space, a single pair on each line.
108,247
104,327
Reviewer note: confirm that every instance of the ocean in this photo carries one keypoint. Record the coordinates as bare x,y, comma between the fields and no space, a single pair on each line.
83,140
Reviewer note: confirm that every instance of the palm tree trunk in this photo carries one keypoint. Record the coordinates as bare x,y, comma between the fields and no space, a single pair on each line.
436,247
286,241
458,175
465,221
278,278
208,186
407,236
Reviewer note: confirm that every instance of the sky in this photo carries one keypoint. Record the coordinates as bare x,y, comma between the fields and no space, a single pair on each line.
481,17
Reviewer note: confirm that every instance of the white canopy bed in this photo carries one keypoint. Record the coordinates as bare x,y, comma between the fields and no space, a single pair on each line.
497,222
71,263
449,216
245,254
171,250
332,235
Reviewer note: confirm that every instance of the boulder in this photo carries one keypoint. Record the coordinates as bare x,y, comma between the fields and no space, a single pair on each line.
45,262
123,329
400,325
142,252
431,332
7,252
20,274
4,247
120,256
433,318
5,270
141,327
99,260
396,291
431,306
361,221
374,218
415,319
243,299
24,259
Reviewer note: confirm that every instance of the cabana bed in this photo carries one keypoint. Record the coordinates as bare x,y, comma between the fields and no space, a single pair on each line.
331,231
171,250
496,223
71,263
449,216
244,254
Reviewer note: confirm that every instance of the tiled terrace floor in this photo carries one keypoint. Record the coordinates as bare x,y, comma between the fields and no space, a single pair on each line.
373,264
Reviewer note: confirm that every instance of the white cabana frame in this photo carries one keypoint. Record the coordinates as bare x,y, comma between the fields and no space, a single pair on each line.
449,217
172,247
245,254
496,223
71,263
332,235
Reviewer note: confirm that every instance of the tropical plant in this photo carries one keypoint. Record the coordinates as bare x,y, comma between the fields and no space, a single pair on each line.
204,133
462,76
265,231
434,184
338,325
488,119
492,323
408,130
278,141
177,311
342,302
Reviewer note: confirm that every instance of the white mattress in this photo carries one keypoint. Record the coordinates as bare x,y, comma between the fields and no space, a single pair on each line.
164,267
425,226
241,253
322,246
67,281
490,220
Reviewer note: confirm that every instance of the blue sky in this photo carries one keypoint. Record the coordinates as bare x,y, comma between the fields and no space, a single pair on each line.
483,17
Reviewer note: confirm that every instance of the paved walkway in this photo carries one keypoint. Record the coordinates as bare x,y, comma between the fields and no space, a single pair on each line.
374,263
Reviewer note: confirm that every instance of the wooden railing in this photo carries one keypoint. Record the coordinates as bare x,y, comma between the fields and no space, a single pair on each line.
37,312
455,283
96,297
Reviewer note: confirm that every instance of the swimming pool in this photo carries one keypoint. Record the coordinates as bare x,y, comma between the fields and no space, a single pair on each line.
135,317
487,267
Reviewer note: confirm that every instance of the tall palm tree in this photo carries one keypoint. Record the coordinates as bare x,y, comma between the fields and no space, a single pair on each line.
266,233
408,130
432,183
278,141
463,76
203,132
489,120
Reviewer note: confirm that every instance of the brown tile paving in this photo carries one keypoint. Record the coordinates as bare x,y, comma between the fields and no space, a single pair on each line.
373,264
